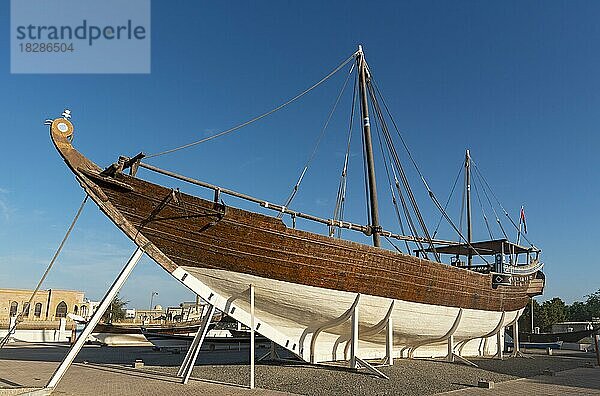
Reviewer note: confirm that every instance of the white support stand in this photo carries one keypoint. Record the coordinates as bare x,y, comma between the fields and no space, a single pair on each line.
185,371
354,337
385,323
450,354
89,327
500,344
449,338
389,342
452,357
516,346
252,329
370,368
355,361
332,323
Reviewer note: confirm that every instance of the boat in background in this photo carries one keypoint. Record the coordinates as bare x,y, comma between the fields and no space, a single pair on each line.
225,334
321,297
569,336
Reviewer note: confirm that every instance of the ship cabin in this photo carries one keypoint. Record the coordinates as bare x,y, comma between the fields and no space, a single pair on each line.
506,255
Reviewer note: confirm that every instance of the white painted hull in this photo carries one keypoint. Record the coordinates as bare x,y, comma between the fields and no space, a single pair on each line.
290,314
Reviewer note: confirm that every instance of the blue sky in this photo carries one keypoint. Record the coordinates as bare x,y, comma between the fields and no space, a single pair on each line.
516,82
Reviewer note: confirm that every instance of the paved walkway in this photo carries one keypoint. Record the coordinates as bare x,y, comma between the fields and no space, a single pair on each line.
580,381
18,377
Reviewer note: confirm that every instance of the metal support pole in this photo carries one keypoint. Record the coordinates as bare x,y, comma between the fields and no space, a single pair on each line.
12,326
389,342
516,349
89,327
532,328
252,327
190,351
450,356
354,340
596,337
500,344
192,355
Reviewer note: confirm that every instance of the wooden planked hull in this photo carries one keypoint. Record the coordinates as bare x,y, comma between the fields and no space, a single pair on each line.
306,279
191,232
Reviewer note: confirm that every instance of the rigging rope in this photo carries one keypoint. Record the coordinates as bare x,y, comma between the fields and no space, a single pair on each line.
448,201
430,192
246,123
409,220
340,203
498,201
316,148
394,201
487,197
487,224
401,171
37,288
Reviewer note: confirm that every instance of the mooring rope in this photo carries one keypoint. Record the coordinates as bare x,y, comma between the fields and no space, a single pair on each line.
246,123
37,288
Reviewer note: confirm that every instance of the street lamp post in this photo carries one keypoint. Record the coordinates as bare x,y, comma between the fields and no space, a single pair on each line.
154,293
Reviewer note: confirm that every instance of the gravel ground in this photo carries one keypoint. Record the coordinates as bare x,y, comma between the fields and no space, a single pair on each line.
407,377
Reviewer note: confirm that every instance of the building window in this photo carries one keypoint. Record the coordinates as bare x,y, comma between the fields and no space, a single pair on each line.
75,309
13,308
83,310
61,310
38,310
26,310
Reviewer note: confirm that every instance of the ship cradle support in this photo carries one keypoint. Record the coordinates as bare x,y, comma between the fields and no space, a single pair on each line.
351,346
244,313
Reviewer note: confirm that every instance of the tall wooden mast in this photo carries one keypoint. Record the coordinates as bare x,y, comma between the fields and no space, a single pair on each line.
468,186
364,107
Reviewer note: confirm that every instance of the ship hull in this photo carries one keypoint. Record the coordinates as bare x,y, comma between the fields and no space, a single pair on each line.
307,285
298,317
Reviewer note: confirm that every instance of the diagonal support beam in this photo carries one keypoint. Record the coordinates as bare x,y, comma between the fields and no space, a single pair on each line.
190,351
89,327
370,368
185,371
453,357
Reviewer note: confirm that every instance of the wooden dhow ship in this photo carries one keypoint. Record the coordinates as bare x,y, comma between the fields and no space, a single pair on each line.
319,296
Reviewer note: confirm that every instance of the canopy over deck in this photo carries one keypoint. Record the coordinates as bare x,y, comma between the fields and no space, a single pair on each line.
484,248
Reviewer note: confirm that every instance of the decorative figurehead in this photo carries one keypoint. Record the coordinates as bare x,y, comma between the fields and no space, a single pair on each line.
62,126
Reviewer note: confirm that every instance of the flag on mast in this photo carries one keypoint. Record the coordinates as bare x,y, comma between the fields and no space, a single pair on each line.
522,219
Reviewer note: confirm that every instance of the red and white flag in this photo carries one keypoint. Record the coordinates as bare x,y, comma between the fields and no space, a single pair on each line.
522,219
